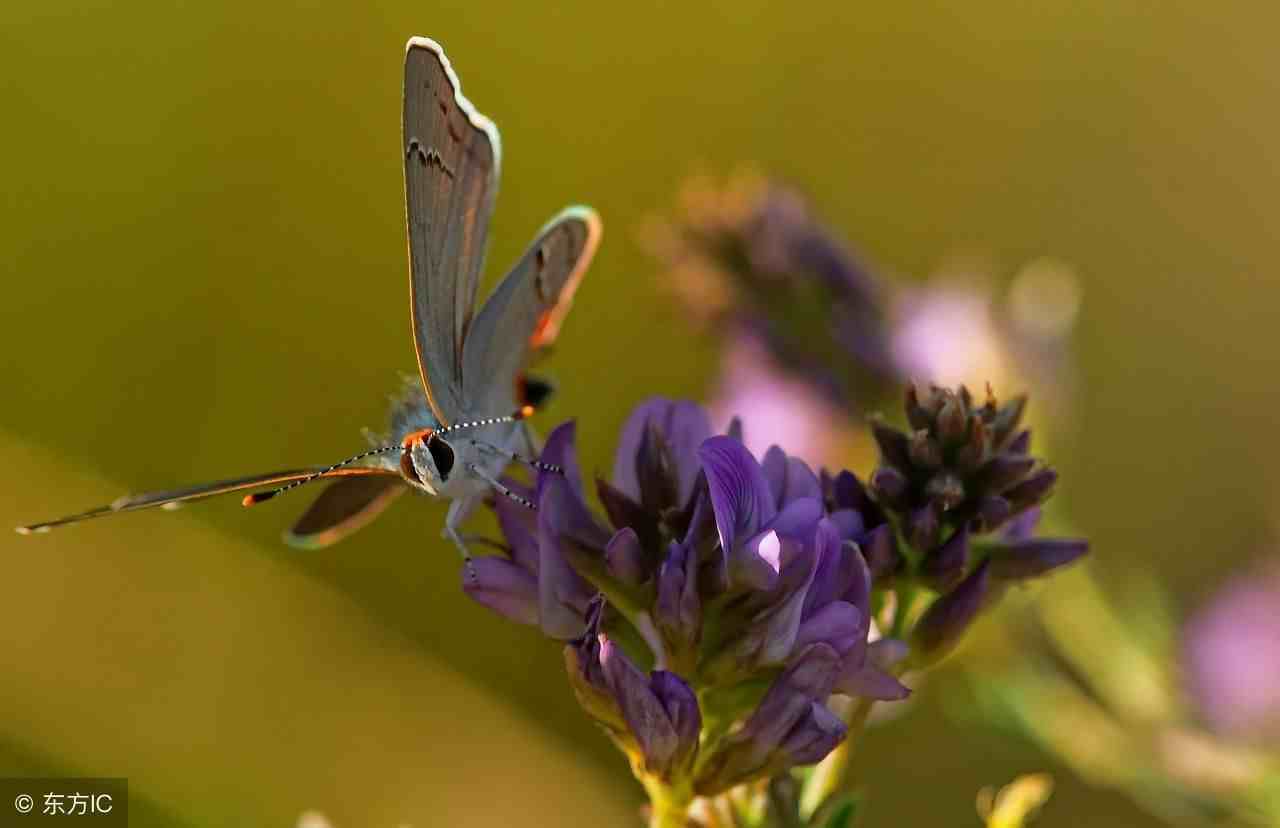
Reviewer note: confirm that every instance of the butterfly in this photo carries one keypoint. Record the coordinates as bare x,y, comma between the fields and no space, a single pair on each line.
454,433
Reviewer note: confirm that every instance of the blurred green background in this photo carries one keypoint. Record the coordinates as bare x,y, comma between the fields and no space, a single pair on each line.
203,227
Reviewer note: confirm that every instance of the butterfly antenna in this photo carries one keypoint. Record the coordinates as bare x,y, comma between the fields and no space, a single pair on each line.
258,497
522,413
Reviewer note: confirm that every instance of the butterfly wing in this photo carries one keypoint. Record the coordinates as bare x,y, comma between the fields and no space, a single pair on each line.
133,503
526,310
452,155
344,506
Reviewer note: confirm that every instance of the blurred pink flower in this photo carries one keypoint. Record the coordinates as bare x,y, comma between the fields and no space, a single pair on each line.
946,334
956,330
1232,657
777,407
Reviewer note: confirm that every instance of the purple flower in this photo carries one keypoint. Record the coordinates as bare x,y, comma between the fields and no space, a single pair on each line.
1232,658
660,710
741,582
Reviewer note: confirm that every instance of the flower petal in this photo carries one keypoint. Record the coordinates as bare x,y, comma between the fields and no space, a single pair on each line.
562,593
623,511
810,678
756,563
783,620
814,736
850,523
687,426
826,586
684,425
681,705
801,482
839,624
858,591
677,609
519,526
1023,526
798,519
871,682
944,566
559,450
625,558
740,495
655,471
880,549
645,715
504,587
774,466
945,621
847,492
886,652
1036,556
586,674
625,477
756,748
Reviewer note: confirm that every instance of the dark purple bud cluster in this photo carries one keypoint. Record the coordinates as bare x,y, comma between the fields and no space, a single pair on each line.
963,490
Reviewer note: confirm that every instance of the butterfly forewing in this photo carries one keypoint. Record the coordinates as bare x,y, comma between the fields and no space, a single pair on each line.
451,161
526,309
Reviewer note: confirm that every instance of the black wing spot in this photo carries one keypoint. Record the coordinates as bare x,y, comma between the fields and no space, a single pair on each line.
433,157
427,157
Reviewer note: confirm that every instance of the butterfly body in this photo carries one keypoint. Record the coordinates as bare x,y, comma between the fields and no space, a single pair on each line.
455,433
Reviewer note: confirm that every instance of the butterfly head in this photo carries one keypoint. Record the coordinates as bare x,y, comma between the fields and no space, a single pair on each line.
426,460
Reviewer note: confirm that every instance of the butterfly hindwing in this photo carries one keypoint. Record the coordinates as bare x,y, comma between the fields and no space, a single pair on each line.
526,309
342,508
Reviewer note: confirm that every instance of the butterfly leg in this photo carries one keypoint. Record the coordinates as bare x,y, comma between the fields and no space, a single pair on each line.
459,510
516,458
531,447
500,487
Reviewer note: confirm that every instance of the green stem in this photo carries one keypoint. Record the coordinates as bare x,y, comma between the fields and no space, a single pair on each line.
830,773
670,806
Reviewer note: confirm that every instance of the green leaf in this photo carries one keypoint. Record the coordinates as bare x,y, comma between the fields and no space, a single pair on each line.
840,811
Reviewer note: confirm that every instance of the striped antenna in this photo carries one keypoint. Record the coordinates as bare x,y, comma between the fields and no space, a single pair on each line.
258,497
522,413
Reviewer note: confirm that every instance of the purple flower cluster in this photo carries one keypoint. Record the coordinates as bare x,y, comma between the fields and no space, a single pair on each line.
715,611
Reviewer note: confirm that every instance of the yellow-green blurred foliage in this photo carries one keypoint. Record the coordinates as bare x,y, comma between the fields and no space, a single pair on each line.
205,274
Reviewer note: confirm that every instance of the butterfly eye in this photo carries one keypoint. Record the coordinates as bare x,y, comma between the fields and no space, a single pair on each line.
442,454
